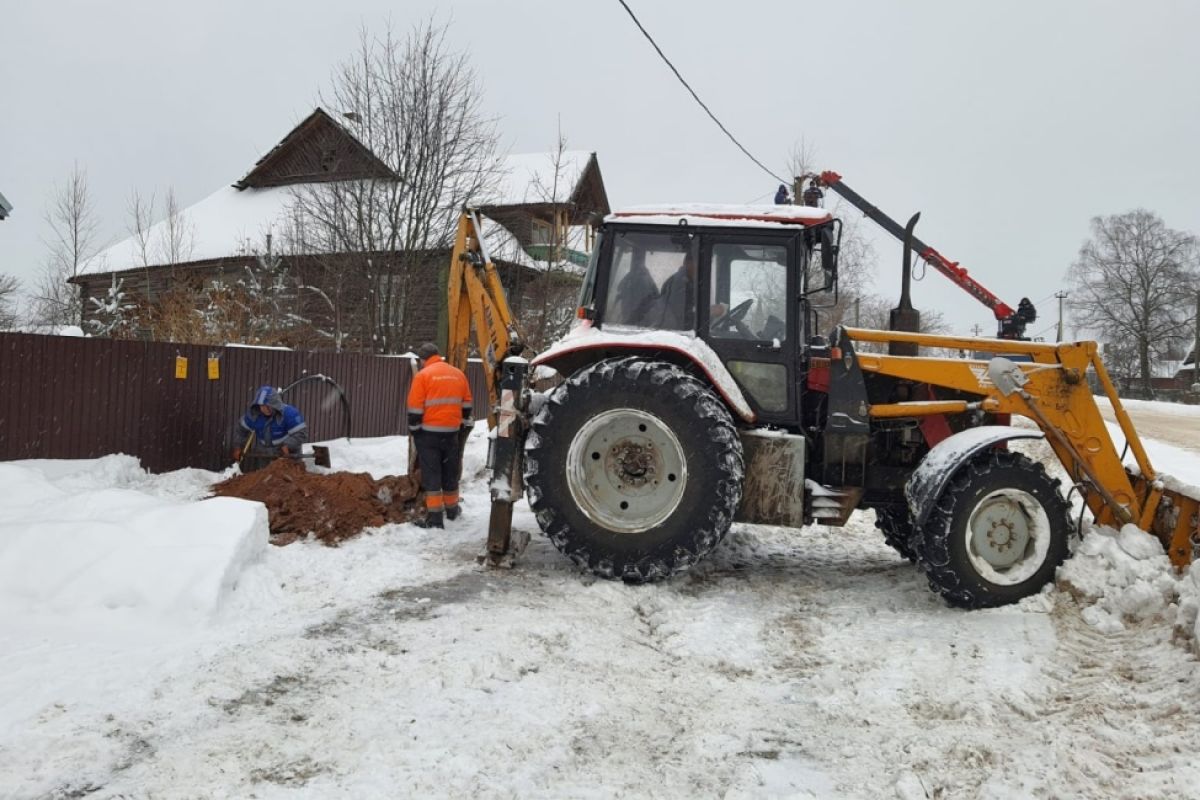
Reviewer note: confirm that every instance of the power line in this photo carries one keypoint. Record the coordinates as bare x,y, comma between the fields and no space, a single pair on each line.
692,91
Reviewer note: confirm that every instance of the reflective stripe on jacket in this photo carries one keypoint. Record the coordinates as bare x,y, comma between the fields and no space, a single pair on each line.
440,396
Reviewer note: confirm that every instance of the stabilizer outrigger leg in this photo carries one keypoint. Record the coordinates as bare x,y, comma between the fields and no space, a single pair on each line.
506,464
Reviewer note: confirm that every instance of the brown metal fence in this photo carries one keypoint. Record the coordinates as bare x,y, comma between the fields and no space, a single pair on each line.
64,397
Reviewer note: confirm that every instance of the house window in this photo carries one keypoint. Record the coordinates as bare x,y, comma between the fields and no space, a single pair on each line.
543,232
329,159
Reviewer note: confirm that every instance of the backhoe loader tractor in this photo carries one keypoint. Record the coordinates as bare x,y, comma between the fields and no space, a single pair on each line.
698,391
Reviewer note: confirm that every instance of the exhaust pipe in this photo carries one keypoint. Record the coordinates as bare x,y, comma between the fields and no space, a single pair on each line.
904,317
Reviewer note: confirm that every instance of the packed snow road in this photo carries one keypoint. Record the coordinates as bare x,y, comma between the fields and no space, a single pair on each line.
789,664
1179,425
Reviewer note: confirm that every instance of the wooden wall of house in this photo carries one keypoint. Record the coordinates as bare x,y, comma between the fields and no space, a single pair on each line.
336,277
318,150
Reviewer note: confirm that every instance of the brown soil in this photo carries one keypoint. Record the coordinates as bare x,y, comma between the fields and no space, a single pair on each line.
331,507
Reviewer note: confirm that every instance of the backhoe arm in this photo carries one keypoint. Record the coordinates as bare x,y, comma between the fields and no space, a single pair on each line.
475,298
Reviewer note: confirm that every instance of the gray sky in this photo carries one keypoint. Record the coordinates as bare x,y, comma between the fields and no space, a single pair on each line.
1009,125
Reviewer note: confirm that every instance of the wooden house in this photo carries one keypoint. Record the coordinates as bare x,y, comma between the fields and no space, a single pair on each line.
243,236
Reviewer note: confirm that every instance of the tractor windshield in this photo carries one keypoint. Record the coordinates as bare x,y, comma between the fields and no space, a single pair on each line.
652,281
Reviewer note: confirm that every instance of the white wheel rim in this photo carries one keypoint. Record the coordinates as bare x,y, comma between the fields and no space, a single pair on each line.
626,470
1007,537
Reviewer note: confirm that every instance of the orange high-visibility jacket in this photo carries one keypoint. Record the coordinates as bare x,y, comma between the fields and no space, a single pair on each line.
441,395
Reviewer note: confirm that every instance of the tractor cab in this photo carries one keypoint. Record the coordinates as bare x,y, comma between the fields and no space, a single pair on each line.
738,282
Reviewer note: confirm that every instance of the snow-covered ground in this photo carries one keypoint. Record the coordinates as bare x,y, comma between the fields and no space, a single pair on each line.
790,664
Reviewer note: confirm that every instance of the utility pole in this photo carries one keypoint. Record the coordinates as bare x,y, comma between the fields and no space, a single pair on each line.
856,314
1196,349
976,330
1061,296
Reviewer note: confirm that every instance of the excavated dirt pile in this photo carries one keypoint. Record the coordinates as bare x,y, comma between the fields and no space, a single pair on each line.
330,507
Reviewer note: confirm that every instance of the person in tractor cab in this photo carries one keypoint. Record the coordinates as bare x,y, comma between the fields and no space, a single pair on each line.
675,308
439,407
270,428
635,294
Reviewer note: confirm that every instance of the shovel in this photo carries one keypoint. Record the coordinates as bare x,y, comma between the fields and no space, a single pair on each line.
319,455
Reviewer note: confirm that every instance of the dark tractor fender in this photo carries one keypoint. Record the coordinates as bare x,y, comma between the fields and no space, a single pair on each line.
927,481
687,352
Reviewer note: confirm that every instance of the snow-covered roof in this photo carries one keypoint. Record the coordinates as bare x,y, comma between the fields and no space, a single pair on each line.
715,214
233,221
503,246
530,178
226,223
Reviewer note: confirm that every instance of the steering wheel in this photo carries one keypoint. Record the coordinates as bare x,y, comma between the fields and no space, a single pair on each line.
738,312
731,320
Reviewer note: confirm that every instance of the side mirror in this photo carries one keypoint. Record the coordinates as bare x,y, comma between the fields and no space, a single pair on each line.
828,257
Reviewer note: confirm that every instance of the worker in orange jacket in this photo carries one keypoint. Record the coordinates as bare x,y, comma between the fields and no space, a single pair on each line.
439,406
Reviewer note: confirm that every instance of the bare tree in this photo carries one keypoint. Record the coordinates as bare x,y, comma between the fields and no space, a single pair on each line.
874,311
9,287
857,259
177,240
1134,282
417,105
73,223
141,219
549,312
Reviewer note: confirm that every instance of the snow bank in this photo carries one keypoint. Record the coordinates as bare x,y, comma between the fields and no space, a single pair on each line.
1187,623
77,541
1123,577
379,457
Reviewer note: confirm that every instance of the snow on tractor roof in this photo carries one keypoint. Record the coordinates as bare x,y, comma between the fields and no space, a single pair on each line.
715,214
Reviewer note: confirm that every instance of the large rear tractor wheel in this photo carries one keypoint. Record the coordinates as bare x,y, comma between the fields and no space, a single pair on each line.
997,534
634,469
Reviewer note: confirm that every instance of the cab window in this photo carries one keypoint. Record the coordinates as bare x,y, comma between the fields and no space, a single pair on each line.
652,280
748,292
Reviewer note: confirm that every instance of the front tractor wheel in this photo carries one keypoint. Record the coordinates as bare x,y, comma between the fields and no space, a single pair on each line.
997,534
634,469
897,528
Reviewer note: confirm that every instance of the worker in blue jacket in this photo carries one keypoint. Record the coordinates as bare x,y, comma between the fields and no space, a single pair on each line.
279,429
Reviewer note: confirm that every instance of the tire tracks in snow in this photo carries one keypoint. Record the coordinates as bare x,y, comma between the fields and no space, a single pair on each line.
789,662
1121,714
1096,715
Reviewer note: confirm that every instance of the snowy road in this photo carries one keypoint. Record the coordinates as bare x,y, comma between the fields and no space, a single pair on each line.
790,664
1179,426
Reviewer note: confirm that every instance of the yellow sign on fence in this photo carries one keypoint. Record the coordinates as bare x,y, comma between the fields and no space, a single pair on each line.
214,369
181,367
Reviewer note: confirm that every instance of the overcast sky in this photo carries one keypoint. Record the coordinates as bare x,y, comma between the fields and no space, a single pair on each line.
1009,125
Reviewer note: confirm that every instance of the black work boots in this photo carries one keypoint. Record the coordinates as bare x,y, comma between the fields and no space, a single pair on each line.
433,519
